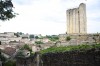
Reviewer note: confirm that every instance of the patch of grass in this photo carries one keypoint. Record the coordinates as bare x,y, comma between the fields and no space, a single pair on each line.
69,48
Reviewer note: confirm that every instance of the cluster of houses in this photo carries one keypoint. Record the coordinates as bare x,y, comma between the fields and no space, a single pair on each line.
10,42
11,38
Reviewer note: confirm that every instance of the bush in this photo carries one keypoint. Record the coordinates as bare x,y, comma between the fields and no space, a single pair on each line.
53,37
39,42
26,47
10,63
68,38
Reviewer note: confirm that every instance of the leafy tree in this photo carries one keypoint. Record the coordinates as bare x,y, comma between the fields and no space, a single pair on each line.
53,37
6,10
56,37
20,33
16,34
2,58
38,42
31,36
20,53
47,36
36,37
26,47
68,38
10,63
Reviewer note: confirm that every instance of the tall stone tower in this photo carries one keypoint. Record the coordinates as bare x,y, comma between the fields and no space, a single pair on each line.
76,20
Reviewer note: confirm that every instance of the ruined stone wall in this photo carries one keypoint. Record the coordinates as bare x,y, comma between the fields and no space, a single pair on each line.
72,58
90,57
27,61
80,39
34,60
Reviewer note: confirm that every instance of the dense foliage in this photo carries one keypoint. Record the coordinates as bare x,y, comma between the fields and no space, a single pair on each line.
6,10
21,51
36,37
69,48
68,38
53,37
26,47
10,63
31,36
2,58
39,42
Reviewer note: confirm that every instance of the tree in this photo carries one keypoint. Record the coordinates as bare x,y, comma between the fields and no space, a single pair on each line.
31,36
2,58
20,33
6,10
26,47
36,37
16,34
20,53
39,42
53,37
68,38
10,63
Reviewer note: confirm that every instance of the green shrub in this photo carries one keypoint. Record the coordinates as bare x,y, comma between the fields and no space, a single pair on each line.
68,38
26,47
10,63
53,37
39,42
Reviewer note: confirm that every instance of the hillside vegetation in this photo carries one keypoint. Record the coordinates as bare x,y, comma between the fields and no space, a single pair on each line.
70,48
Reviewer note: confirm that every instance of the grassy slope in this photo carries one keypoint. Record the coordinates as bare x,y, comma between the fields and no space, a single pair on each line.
69,48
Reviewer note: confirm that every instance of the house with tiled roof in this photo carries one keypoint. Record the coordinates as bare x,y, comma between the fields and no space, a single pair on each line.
8,52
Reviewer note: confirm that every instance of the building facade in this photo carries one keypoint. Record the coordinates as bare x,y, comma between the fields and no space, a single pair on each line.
76,20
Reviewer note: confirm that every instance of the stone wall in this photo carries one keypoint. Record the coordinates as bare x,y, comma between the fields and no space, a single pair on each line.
34,60
72,58
77,39
0,63
28,61
89,57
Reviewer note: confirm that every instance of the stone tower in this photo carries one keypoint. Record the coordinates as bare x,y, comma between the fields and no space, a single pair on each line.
76,20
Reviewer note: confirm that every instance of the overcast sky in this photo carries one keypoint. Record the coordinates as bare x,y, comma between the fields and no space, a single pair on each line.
48,17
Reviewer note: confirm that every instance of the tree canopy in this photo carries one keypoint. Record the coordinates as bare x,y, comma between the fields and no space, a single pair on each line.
6,10
53,37
68,38
31,36
26,47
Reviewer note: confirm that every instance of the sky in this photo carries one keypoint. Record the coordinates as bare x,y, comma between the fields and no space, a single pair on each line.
48,17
